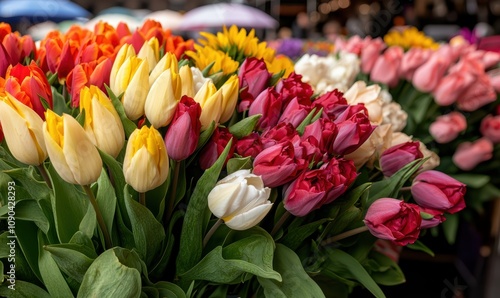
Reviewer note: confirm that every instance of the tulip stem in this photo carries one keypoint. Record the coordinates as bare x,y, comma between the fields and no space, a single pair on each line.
142,198
280,222
100,219
407,188
211,231
344,235
45,175
173,193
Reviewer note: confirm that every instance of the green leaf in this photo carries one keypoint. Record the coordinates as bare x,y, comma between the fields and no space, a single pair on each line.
418,245
206,135
421,108
388,273
343,264
128,125
276,77
106,199
111,275
31,182
23,289
26,232
171,288
71,260
192,228
28,210
317,116
296,282
89,222
207,69
244,127
294,239
306,121
238,163
81,118
450,227
60,106
51,275
148,232
252,254
69,206
472,180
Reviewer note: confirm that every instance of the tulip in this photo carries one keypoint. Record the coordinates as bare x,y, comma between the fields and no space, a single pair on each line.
70,150
188,86
250,145
396,157
215,146
306,193
428,75
324,131
333,103
267,104
210,100
146,163
278,134
150,51
229,98
447,127
240,200
295,112
183,133
28,84
378,142
253,76
436,190
125,52
86,74
370,54
102,123
412,60
386,68
162,99
133,81
369,96
293,87
22,128
490,128
431,217
352,132
451,87
61,56
469,154
477,95
166,62
394,220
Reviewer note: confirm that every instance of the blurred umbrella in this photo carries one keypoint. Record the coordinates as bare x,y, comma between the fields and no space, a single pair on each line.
168,19
217,15
114,19
38,11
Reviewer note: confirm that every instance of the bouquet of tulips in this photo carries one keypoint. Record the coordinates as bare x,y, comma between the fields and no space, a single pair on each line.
138,164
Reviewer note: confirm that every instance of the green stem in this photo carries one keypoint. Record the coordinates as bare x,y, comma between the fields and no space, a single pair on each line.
100,219
407,188
344,235
45,175
280,222
211,231
142,198
173,193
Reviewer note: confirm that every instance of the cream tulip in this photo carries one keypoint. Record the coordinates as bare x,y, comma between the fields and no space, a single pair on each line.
369,96
150,51
126,51
210,100
70,150
169,61
146,163
102,123
163,98
240,200
22,128
187,81
230,92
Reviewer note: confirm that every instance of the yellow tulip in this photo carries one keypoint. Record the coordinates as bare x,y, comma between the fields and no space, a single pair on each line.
210,100
145,165
187,81
150,51
102,123
169,61
71,151
22,128
163,98
126,51
230,92
132,80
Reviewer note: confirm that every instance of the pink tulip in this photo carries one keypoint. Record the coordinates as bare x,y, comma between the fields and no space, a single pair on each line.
494,79
183,133
412,60
352,132
333,103
436,219
295,113
469,154
253,76
268,104
477,95
490,59
394,220
386,67
398,156
371,51
324,131
490,128
427,76
250,145
447,127
436,190
282,132
213,149
451,87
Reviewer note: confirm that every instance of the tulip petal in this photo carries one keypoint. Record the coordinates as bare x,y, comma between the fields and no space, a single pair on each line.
250,218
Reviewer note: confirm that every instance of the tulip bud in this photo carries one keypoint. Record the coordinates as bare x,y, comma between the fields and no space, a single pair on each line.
240,200
125,52
22,128
490,128
352,132
146,163
70,150
394,220
183,133
186,75
229,98
469,154
396,157
215,146
447,127
268,104
102,123
150,51
162,99
167,62
132,79
436,190
210,100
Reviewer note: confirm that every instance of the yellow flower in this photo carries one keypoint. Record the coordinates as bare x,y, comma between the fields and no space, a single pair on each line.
22,128
204,56
132,79
279,63
210,100
230,92
71,151
169,61
102,123
150,51
410,38
126,51
163,98
186,75
145,164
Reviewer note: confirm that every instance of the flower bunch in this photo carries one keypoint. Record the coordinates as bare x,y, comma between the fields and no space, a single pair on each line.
146,165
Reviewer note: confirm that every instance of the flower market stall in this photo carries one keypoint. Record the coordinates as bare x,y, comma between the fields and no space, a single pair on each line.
136,163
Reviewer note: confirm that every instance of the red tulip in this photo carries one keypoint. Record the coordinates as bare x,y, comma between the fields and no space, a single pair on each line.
268,104
293,87
431,217
396,157
213,149
87,74
280,133
254,78
295,113
250,145
353,131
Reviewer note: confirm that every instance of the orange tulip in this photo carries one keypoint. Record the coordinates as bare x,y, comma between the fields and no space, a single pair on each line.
87,74
61,56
